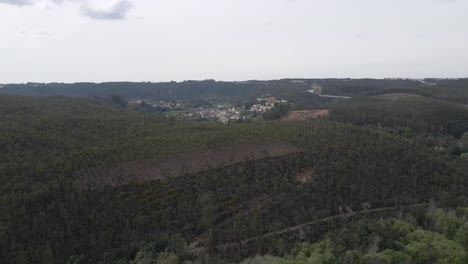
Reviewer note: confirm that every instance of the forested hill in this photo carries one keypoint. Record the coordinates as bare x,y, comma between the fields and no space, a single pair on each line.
85,182
204,89
163,91
455,90
405,113
292,89
295,91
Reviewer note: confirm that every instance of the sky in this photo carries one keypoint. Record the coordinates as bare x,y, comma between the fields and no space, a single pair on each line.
164,40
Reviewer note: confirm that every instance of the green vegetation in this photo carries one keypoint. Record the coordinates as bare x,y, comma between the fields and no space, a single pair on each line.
454,90
439,236
277,112
463,143
412,114
366,87
55,150
290,89
451,90
192,91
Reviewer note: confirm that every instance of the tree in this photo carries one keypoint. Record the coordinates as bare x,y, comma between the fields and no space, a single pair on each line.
48,255
208,211
118,100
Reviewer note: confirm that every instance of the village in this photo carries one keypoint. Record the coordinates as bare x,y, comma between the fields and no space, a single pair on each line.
225,113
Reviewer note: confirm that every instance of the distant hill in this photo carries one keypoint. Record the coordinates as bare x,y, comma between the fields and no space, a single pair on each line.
405,111
168,90
455,90
293,90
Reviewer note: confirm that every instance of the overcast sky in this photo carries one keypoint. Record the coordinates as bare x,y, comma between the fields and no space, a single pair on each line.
162,40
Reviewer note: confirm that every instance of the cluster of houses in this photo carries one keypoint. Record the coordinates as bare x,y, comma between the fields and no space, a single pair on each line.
226,114
265,104
222,115
157,105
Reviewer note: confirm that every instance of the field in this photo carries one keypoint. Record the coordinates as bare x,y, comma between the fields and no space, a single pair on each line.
174,165
304,114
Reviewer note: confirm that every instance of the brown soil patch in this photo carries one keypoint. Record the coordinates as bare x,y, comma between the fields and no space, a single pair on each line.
305,114
178,164
396,96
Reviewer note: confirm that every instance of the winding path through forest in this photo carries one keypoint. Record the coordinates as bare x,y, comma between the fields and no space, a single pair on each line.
195,249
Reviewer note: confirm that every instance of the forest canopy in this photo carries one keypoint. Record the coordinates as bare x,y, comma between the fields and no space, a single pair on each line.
89,180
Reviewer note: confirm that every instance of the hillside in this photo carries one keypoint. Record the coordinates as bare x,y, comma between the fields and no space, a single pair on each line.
455,90
85,182
402,111
434,236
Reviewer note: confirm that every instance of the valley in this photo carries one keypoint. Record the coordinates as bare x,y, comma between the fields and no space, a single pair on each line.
103,181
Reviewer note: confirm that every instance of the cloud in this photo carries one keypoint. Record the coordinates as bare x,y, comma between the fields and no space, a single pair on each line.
33,33
42,35
18,2
116,10
110,10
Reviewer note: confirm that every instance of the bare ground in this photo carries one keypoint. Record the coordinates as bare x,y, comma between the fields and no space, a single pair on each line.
305,114
178,164
305,176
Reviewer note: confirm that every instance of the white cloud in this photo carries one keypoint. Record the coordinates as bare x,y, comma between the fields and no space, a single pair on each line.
33,33
18,2
110,10
115,10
